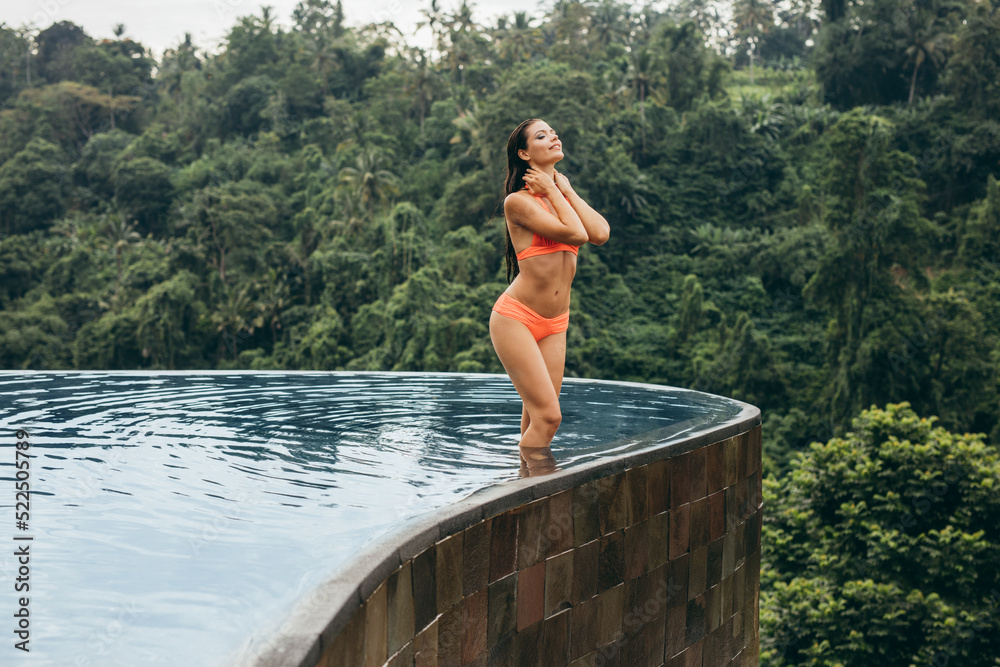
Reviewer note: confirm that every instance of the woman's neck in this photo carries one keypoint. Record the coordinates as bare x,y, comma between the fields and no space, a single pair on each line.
548,169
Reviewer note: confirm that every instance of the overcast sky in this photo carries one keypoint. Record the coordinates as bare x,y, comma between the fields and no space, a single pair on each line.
162,24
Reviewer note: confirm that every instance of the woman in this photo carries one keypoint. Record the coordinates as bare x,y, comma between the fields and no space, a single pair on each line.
546,223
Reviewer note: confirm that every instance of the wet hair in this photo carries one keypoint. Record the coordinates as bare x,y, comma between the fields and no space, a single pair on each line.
513,182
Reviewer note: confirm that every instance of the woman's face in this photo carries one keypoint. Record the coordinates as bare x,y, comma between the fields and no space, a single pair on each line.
544,146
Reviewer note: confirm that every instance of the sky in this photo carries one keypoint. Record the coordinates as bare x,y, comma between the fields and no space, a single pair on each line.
162,24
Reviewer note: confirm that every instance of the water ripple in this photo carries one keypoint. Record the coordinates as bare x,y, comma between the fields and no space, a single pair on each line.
176,514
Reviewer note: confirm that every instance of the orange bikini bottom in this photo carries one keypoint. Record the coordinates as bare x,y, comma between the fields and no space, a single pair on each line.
539,326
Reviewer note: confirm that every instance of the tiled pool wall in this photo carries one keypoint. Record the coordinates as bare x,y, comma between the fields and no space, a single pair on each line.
657,564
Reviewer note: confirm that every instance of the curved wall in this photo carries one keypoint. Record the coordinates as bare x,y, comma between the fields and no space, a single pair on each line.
649,559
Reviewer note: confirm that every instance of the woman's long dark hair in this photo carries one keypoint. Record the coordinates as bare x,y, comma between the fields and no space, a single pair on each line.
513,182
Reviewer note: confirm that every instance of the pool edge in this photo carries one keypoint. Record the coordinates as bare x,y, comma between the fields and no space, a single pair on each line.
316,628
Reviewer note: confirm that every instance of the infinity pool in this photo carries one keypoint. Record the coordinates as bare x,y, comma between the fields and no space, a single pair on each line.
174,515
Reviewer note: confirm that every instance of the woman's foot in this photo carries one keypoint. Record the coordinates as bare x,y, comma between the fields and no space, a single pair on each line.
536,461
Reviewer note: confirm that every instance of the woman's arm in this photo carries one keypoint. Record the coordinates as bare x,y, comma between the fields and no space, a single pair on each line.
597,227
565,226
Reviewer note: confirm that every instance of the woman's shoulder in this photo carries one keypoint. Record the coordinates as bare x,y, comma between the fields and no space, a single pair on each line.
516,203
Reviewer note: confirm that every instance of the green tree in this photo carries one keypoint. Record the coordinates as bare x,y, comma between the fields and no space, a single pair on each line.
33,185
872,211
878,548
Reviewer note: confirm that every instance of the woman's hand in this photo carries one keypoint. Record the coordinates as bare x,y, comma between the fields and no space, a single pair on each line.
539,183
563,184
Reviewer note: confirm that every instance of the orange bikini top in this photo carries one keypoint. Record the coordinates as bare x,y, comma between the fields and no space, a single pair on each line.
541,245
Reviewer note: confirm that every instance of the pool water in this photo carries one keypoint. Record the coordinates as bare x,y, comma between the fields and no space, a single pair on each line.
174,515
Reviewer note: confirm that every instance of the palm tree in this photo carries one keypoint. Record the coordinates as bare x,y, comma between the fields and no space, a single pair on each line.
468,122
640,77
609,22
463,33
753,18
273,302
119,235
419,80
435,20
370,180
233,318
517,40
929,42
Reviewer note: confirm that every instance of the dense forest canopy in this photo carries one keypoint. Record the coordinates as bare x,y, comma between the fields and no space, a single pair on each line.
803,198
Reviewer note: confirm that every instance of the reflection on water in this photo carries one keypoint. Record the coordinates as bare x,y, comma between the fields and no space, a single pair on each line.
176,514
536,462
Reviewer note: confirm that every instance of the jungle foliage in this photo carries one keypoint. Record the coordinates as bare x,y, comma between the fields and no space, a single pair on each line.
803,199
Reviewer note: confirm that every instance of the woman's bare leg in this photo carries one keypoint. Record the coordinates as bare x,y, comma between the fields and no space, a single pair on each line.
553,349
529,373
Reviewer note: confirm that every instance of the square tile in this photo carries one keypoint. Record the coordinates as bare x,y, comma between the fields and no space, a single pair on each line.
632,649
526,645
399,590
713,608
425,648
716,515
450,632
475,621
694,655
613,506
559,532
732,514
586,516
637,595
680,480
714,470
658,487
585,566
739,536
611,561
728,554
699,528
636,482
559,583
610,604
698,471
583,629
695,620
424,588
730,468
449,572
658,539
675,629
503,545
376,615
553,646
636,550
530,595
655,632
532,525
742,503
679,530
697,572
404,658
502,608
501,653
754,450
743,441
727,596
739,587
476,557
677,574
348,647
714,572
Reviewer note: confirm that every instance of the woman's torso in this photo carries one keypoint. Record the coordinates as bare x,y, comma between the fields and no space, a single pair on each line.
543,282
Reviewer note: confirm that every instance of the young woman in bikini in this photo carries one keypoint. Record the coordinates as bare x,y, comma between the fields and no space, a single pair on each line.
546,223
